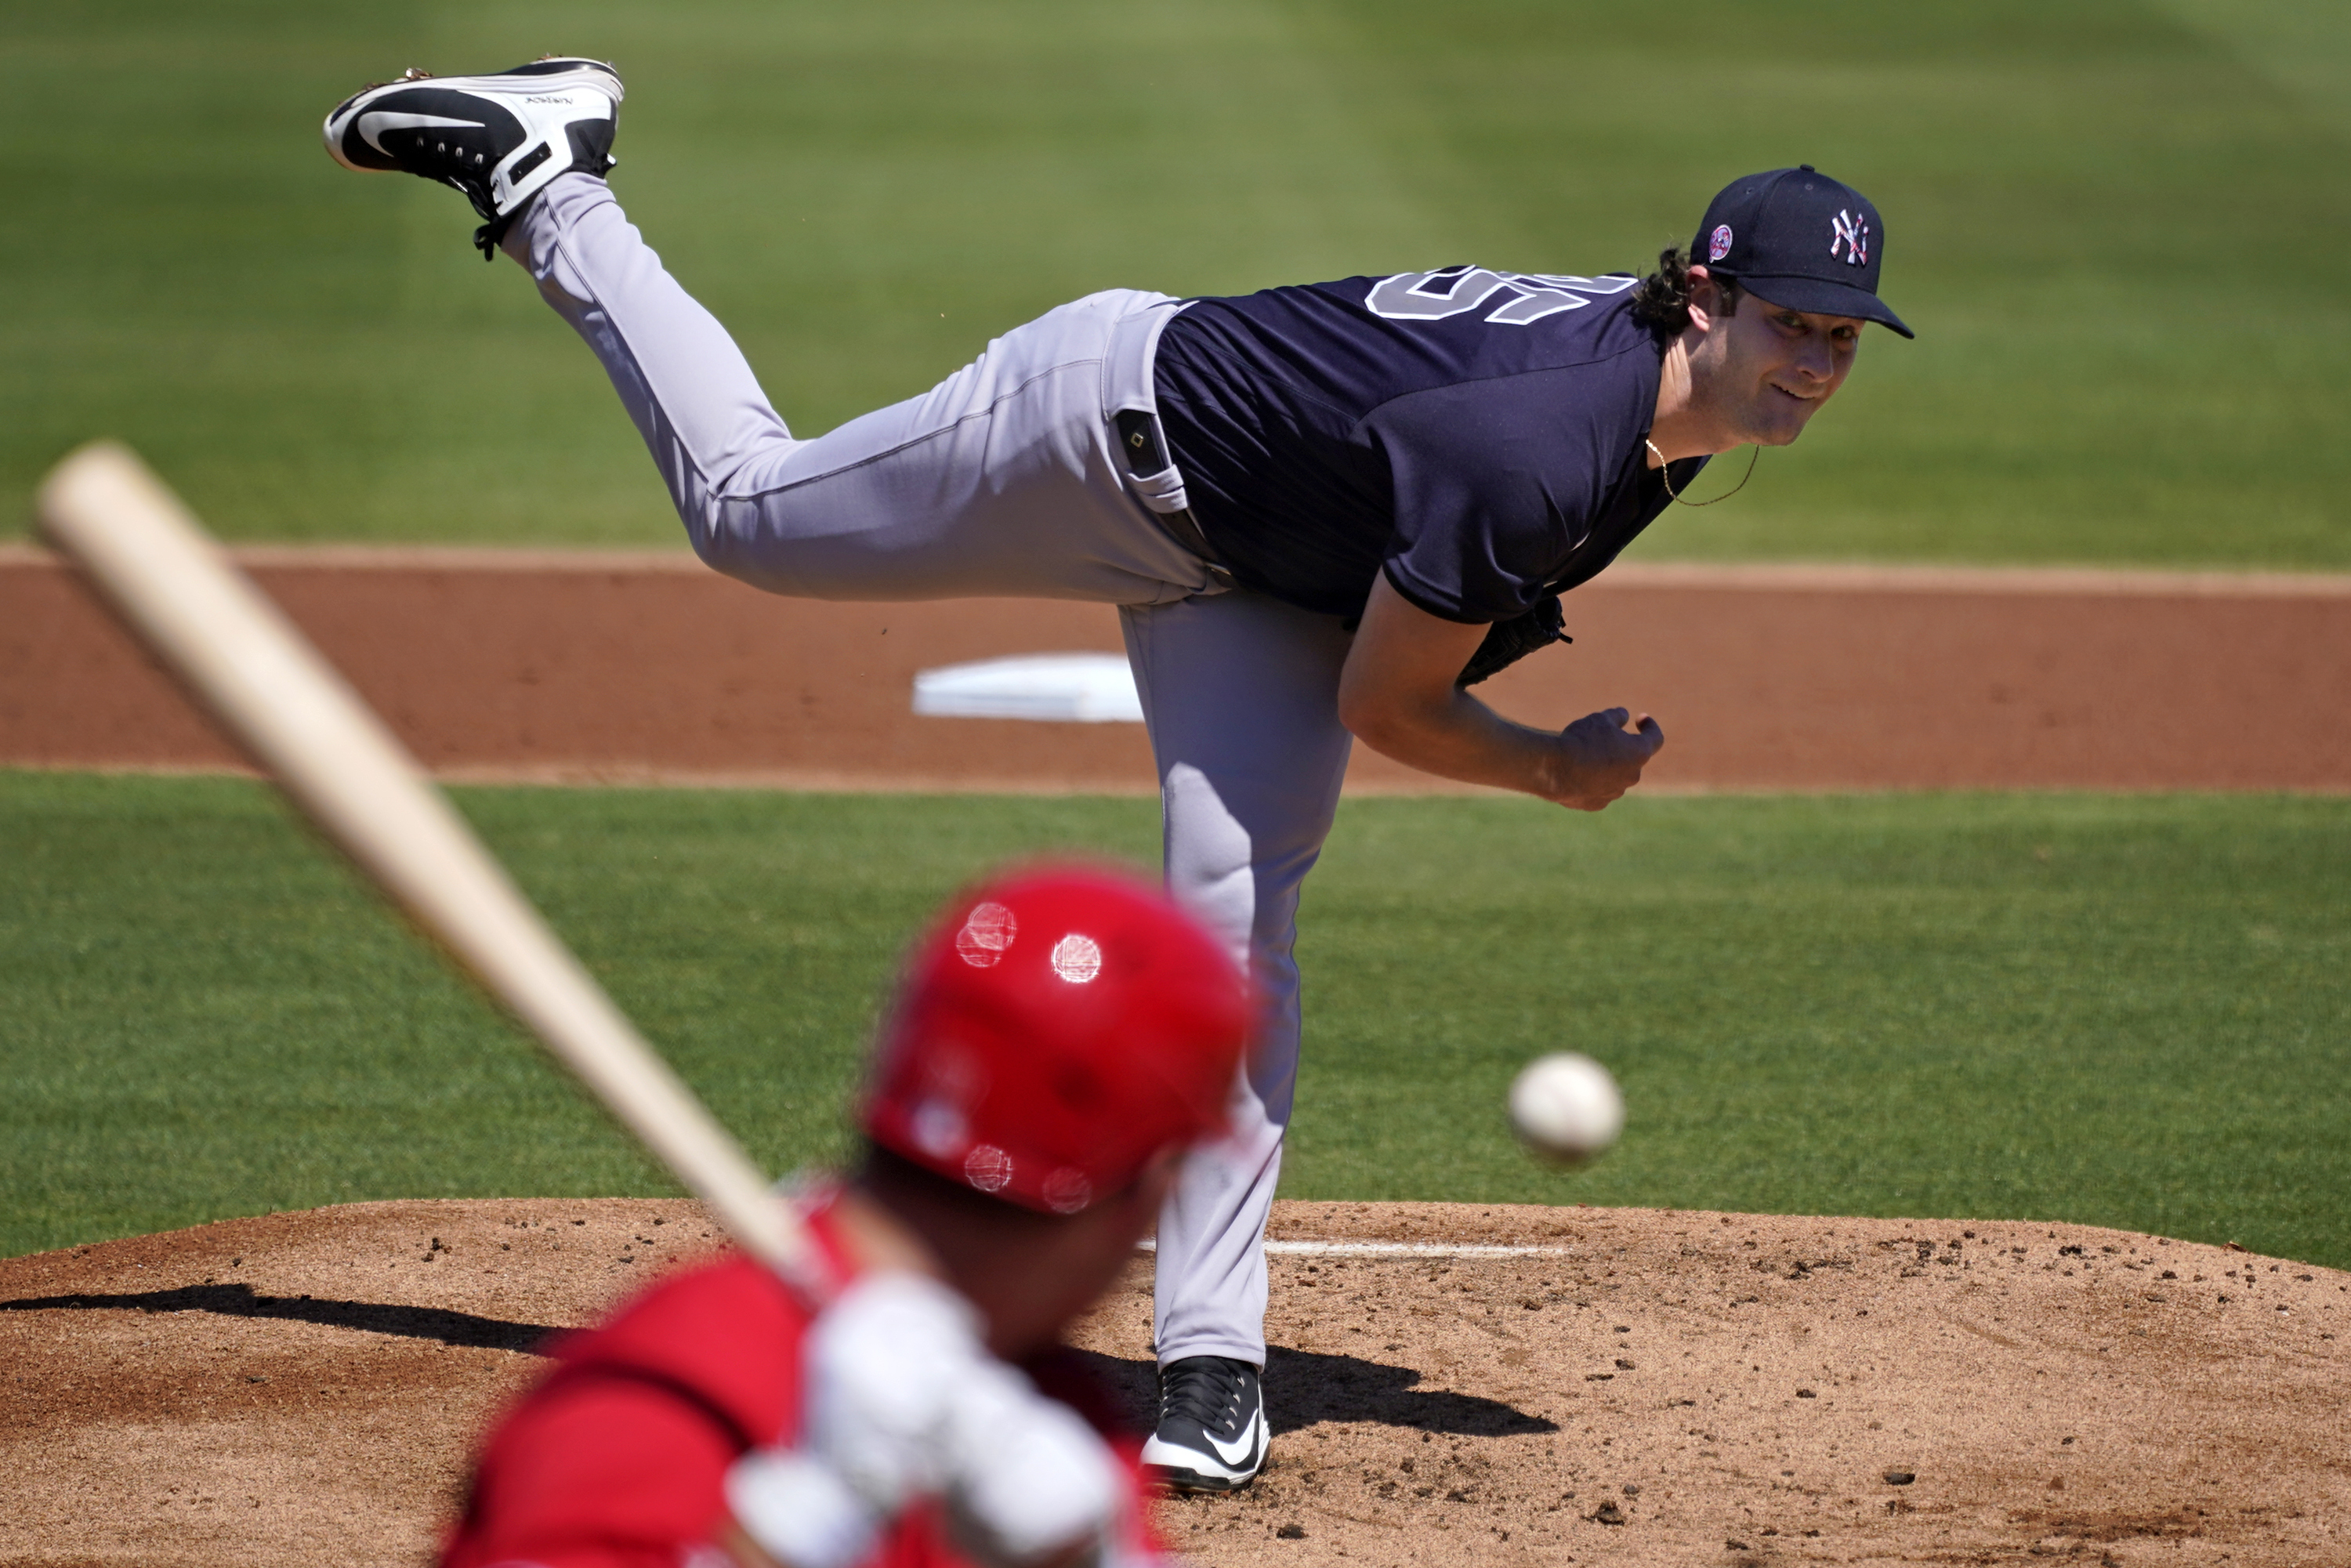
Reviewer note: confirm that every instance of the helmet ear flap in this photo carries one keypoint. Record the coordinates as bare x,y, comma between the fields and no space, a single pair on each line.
1052,1033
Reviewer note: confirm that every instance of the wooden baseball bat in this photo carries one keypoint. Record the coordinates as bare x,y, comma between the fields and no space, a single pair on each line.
318,739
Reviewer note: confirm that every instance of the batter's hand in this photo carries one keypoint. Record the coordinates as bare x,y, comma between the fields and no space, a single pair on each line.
903,1402
1600,759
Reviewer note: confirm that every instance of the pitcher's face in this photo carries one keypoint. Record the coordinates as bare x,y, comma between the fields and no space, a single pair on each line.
1766,369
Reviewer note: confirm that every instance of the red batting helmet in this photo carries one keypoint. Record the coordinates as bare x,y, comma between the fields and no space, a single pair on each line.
1059,1027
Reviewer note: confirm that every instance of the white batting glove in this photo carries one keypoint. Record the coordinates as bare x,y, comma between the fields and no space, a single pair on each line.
884,1363
1029,1482
904,1401
880,1365
798,1511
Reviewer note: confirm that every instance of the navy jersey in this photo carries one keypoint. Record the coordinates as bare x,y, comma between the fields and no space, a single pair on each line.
1476,435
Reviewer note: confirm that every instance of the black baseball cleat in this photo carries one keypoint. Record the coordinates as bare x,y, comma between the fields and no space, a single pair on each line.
500,139
1212,1432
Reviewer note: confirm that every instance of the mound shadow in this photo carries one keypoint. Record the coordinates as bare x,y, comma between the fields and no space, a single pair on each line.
1305,1388
438,1323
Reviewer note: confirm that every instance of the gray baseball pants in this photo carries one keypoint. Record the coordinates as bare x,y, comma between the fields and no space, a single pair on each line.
1005,480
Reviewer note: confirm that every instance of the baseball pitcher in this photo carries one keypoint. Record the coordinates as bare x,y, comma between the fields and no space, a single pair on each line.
1325,512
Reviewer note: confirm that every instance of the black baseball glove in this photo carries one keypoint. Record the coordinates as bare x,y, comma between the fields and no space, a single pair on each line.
1508,642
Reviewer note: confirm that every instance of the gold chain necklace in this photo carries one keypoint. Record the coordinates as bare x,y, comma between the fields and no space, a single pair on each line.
1753,453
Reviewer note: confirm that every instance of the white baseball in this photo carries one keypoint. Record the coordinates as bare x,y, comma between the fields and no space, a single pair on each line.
1565,1107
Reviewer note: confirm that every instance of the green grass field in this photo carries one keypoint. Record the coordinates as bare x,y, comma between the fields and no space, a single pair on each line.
2123,1010
2111,221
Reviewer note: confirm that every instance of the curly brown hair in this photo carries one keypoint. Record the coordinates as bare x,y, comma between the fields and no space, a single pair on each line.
1661,301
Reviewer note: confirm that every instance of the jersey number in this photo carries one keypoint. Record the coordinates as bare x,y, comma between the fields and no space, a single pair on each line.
1456,290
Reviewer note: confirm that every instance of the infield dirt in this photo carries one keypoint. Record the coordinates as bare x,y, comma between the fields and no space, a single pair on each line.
1643,1388
650,668
1633,1387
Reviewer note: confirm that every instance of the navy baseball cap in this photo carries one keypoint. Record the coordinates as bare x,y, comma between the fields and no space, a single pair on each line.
1796,238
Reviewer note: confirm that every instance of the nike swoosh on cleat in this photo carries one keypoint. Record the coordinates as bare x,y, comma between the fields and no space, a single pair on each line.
1238,1456
378,120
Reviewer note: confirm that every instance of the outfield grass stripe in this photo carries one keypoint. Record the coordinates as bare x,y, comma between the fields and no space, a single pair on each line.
2127,1011
865,195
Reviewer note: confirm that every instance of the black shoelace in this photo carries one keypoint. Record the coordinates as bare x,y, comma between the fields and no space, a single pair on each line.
1205,1390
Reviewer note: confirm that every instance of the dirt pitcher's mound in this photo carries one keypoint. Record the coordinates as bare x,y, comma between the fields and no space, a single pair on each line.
1449,1383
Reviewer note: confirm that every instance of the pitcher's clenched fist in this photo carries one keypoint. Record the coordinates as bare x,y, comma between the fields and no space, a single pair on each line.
1600,759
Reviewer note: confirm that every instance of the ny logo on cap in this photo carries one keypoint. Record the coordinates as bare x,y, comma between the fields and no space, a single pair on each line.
1853,235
